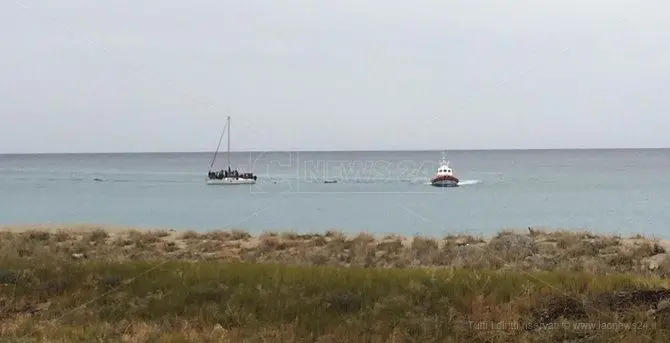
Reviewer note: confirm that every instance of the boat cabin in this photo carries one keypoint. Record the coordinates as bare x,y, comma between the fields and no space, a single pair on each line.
444,168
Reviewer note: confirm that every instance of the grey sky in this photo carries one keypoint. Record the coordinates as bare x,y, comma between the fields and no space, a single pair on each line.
127,75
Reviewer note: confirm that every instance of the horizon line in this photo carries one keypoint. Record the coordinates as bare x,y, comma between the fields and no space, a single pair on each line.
324,150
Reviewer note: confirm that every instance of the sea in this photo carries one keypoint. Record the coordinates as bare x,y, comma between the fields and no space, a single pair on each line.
379,192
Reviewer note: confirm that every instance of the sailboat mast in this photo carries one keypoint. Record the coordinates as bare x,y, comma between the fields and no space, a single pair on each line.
211,165
228,142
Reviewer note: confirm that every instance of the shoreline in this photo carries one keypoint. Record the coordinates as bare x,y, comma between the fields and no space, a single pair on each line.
116,228
530,249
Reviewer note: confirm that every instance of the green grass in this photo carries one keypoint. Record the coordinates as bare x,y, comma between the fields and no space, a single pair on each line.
210,301
82,285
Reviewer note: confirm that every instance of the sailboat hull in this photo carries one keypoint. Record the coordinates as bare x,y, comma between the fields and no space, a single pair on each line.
230,181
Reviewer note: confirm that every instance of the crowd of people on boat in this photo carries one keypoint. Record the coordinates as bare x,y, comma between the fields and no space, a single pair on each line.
230,173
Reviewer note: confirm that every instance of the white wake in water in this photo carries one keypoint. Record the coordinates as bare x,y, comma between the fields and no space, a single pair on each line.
463,182
468,182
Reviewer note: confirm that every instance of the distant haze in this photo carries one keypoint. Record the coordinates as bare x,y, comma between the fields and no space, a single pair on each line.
126,76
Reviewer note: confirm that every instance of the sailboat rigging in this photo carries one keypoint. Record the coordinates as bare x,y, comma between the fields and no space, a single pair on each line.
230,176
211,165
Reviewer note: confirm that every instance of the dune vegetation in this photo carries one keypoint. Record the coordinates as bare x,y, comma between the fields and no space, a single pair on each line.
88,284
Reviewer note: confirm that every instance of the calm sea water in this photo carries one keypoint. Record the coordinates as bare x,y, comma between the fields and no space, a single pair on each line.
613,191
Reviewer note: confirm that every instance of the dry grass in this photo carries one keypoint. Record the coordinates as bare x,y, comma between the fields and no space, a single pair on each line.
87,285
535,251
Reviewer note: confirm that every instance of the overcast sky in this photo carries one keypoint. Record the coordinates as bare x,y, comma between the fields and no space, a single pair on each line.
129,75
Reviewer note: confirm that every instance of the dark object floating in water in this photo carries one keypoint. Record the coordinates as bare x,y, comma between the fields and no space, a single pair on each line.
330,181
97,179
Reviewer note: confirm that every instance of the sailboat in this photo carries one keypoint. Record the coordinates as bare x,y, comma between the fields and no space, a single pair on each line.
229,176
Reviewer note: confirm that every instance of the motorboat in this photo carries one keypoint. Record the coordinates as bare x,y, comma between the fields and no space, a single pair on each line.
444,177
